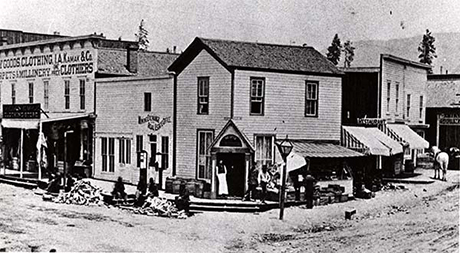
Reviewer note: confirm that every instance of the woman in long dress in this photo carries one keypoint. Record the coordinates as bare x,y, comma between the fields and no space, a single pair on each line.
222,177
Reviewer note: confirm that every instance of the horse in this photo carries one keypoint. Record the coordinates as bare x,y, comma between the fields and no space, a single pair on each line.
442,160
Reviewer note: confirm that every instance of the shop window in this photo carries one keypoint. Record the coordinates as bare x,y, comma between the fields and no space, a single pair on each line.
67,94
124,152
31,93
13,93
311,98
82,94
203,95
408,106
257,96
164,152
147,101
111,154
46,95
139,147
388,95
264,149
205,138
104,153
153,149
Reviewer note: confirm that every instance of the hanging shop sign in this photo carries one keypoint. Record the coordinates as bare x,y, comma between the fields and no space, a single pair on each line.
154,123
74,62
451,119
21,111
371,121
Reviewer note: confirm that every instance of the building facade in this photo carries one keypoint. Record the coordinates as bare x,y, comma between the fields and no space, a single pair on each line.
443,112
58,76
234,100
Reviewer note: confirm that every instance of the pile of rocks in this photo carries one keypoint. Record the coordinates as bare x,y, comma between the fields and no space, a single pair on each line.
82,193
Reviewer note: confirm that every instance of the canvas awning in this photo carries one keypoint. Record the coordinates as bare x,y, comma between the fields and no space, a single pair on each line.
20,123
408,135
371,140
65,117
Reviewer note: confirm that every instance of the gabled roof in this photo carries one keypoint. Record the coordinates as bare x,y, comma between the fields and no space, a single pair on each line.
443,92
154,63
258,56
231,124
112,61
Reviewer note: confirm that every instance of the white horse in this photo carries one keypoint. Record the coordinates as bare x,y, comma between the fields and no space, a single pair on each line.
442,160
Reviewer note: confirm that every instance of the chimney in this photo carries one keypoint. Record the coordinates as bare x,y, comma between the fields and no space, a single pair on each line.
56,33
131,57
174,49
440,70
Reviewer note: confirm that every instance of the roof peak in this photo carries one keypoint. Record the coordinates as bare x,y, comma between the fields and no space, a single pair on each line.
257,43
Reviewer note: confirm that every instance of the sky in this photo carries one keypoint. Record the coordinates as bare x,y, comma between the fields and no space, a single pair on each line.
177,22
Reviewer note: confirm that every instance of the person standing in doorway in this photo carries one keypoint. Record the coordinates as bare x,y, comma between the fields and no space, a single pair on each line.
263,178
222,177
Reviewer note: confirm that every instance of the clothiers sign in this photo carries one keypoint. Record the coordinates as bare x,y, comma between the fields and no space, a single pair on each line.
449,119
154,123
50,64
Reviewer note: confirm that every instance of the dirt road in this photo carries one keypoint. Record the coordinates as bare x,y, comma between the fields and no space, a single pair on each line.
422,218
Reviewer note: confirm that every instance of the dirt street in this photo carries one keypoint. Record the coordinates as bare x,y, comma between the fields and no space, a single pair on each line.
422,218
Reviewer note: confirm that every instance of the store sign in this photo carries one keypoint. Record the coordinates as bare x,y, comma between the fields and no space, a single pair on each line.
371,121
449,119
154,123
73,62
21,111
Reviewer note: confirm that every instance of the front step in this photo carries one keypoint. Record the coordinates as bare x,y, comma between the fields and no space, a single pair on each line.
18,182
216,208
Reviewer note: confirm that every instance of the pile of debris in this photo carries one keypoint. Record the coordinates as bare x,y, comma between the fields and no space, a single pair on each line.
333,193
82,193
390,186
157,206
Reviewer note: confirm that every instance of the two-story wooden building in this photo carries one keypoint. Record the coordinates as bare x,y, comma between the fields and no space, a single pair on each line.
134,115
57,75
395,92
233,100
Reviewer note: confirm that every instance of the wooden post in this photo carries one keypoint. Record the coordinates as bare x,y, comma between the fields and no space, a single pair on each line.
21,156
39,152
283,188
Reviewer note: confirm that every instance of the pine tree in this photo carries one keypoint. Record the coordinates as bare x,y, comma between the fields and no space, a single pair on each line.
142,37
349,51
427,49
334,50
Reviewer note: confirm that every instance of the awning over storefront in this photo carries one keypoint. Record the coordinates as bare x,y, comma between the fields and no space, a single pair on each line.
64,117
407,134
322,150
371,141
20,123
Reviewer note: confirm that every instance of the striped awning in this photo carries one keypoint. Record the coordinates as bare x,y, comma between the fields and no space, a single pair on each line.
408,135
370,140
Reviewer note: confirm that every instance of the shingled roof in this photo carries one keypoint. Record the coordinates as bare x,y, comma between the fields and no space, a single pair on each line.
258,56
443,92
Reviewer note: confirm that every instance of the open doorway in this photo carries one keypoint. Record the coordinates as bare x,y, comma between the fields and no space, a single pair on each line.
235,163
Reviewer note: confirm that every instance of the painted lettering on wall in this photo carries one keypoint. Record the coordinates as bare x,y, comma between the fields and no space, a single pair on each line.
449,119
154,123
371,121
44,65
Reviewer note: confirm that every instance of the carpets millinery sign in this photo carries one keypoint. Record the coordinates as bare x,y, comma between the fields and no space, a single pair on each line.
154,122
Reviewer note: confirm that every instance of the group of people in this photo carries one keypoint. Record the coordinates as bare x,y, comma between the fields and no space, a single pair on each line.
55,182
143,191
257,177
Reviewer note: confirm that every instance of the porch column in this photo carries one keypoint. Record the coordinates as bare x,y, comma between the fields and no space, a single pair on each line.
247,159
213,175
39,152
21,156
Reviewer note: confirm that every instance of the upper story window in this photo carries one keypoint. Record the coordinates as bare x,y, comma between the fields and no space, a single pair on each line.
311,98
421,108
397,97
388,95
408,106
67,94
257,96
203,95
147,101
31,93
13,93
46,94
264,149
82,94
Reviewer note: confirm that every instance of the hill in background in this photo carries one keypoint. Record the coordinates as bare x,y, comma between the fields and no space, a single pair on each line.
447,48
